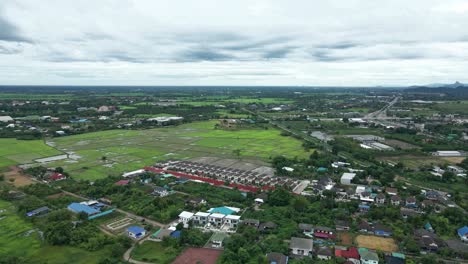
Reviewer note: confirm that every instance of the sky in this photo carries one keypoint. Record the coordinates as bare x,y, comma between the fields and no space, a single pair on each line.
241,42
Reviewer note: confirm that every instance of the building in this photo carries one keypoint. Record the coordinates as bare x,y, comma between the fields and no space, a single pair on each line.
251,222
185,217
232,220
463,233
38,212
276,258
448,153
350,254
161,234
217,240
301,247
324,253
93,209
381,230
347,177
411,202
200,218
132,174
136,232
395,200
160,191
380,199
394,260
6,119
342,225
216,220
369,257
57,177
324,232
391,191
306,228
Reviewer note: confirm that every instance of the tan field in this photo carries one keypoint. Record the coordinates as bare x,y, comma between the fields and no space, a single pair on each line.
375,242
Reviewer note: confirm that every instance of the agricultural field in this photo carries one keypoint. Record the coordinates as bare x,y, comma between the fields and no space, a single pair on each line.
15,151
379,243
116,151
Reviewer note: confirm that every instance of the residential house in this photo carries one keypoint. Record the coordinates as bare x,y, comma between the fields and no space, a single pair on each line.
122,182
216,219
369,257
57,177
232,221
324,253
161,234
427,241
160,191
395,200
463,233
200,218
324,232
195,201
276,258
365,227
217,240
411,202
426,204
267,226
342,225
301,247
306,228
185,217
432,195
394,260
408,212
381,230
391,191
251,222
350,254
380,199
136,232
347,177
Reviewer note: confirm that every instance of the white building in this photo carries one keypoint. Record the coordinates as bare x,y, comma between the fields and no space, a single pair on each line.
185,217
200,218
347,177
216,219
448,153
232,220
6,119
133,173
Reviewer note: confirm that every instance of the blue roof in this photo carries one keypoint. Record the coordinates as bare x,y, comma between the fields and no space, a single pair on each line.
222,210
78,208
463,231
175,234
136,229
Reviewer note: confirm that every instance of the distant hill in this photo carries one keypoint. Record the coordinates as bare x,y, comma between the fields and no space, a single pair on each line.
456,89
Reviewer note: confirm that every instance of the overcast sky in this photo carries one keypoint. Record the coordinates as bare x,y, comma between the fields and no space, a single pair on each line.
233,42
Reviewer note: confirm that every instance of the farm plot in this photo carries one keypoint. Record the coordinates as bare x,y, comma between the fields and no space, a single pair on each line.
119,224
375,242
15,151
117,151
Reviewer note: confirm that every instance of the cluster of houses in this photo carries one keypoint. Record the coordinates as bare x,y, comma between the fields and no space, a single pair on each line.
458,171
231,174
220,218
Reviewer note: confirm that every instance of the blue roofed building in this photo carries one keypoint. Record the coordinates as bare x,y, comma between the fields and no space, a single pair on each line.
136,232
463,233
78,208
39,211
224,210
176,234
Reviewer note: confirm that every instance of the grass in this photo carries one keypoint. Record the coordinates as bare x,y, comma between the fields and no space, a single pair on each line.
155,252
15,151
128,150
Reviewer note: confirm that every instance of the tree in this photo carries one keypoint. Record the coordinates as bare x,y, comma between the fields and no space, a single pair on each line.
58,233
279,197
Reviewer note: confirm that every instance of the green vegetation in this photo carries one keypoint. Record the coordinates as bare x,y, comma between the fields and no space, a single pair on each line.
155,252
15,151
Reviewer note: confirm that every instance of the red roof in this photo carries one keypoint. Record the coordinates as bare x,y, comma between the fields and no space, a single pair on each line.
351,252
122,182
241,187
324,235
57,176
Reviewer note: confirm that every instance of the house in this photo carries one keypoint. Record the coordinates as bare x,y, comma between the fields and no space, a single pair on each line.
381,230
216,219
217,240
132,174
407,212
368,257
432,195
196,201
301,247
306,228
463,233
232,221
276,258
267,226
160,191
161,234
394,260
427,241
350,254
38,212
411,202
341,225
449,153
324,232
259,201
122,182
391,191
6,119
380,198
80,207
364,227
347,177
324,253
57,177
136,232
201,218
185,217
395,200
427,204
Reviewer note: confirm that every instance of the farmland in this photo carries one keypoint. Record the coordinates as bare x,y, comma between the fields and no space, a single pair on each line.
126,150
15,151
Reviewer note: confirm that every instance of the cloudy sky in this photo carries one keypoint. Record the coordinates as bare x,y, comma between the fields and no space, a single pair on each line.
240,42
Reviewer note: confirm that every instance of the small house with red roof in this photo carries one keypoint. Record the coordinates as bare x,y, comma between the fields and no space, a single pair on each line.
350,254
324,232
57,177
122,182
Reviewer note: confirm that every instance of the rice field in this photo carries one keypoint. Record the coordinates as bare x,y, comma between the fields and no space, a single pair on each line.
14,151
126,150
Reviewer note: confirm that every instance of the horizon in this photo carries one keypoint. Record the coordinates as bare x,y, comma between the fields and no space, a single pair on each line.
263,43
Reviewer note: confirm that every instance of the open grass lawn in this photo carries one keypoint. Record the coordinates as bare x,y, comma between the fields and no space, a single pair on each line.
65,254
127,150
453,107
154,252
14,151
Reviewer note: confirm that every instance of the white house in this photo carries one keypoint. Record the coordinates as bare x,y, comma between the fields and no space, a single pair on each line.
232,220
6,119
185,217
160,191
448,153
200,218
347,177
301,246
216,219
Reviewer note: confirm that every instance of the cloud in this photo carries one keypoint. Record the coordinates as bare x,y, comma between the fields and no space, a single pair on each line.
9,32
203,54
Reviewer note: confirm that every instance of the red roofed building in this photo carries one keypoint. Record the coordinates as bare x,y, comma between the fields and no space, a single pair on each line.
350,254
324,232
122,182
57,177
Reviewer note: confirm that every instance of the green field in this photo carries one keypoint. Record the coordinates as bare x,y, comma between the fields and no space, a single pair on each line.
155,252
14,151
127,150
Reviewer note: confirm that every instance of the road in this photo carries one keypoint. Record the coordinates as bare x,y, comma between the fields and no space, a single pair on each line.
382,113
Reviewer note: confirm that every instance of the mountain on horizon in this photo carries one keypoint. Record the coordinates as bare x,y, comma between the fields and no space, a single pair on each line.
456,84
